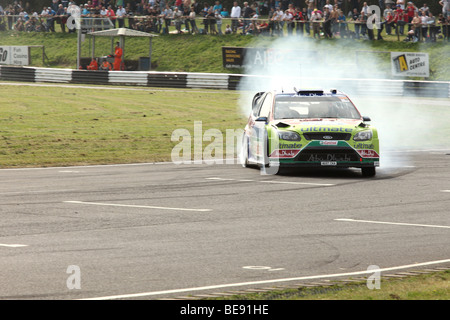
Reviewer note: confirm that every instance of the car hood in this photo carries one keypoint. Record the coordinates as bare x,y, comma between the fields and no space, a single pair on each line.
317,124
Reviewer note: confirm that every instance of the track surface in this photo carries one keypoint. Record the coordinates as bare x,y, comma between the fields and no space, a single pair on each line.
158,228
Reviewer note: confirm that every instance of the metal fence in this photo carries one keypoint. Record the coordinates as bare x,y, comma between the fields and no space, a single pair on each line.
436,31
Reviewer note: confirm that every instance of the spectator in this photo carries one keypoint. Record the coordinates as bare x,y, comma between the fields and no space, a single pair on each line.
445,26
425,8
120,16
433,28
186,11
300,21
228,29
290,14
390,24
410,11
167,14
217,6
306,16
61,17
111,15
218,21
263,27
315,21
363,23
424,20
289,20
248,12
211,19
387,10
179,5
192,20
235,15
276,18
445,7
187,6
342,24
162,6
327,23
177,16
334,14
355,17
415,26
50,19
365,9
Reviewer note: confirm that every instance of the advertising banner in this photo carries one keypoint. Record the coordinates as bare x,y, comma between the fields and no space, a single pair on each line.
410,64
12,55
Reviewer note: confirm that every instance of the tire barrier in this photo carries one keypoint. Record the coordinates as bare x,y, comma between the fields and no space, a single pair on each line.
17,74
53,75
167,80
90,77
438,89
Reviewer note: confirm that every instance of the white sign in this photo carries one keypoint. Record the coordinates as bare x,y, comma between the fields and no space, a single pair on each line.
410,64
17,56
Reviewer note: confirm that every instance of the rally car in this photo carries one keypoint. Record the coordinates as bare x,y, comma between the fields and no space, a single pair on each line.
309,128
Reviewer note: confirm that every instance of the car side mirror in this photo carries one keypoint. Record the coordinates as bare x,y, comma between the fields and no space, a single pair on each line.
366,119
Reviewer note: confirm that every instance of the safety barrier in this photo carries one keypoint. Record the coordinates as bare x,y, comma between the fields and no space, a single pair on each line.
90,77
219,81
53,75
130,78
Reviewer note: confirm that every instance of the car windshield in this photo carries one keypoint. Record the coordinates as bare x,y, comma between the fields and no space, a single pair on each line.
300,107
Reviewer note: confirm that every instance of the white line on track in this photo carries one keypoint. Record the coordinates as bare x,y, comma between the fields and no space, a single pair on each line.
273,181
13,245
261,282
105,87
394,223
445,190
135,206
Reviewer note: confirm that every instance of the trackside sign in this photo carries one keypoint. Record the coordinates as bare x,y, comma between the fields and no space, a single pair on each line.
12,55
410,64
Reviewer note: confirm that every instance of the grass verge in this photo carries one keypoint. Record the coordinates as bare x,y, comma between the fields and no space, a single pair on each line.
432,286
48,126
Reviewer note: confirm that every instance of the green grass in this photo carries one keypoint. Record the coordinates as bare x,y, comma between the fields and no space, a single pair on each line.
203,53
44,126
61,126
433,286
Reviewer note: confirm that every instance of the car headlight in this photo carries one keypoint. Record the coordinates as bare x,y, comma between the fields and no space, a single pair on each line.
363,135
289,136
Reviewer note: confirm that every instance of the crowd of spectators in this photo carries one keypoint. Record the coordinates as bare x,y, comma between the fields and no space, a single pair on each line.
316,18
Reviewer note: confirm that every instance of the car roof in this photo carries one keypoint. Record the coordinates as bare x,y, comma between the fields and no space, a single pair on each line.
310,93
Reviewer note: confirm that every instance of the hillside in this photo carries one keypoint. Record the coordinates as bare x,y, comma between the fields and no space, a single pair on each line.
202,53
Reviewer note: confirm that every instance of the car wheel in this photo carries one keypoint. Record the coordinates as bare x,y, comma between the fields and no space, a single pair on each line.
368,172
270,167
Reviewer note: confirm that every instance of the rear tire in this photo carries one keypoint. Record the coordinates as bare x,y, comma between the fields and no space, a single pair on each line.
368,171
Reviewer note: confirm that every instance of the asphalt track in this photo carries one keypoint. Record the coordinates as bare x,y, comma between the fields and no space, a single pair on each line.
161,230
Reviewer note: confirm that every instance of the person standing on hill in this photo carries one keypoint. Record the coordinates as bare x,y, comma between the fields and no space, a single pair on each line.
235,16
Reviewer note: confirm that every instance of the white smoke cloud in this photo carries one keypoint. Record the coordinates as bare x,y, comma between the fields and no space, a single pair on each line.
304,63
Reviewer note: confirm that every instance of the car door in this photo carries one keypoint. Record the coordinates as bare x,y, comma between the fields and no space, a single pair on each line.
258,134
